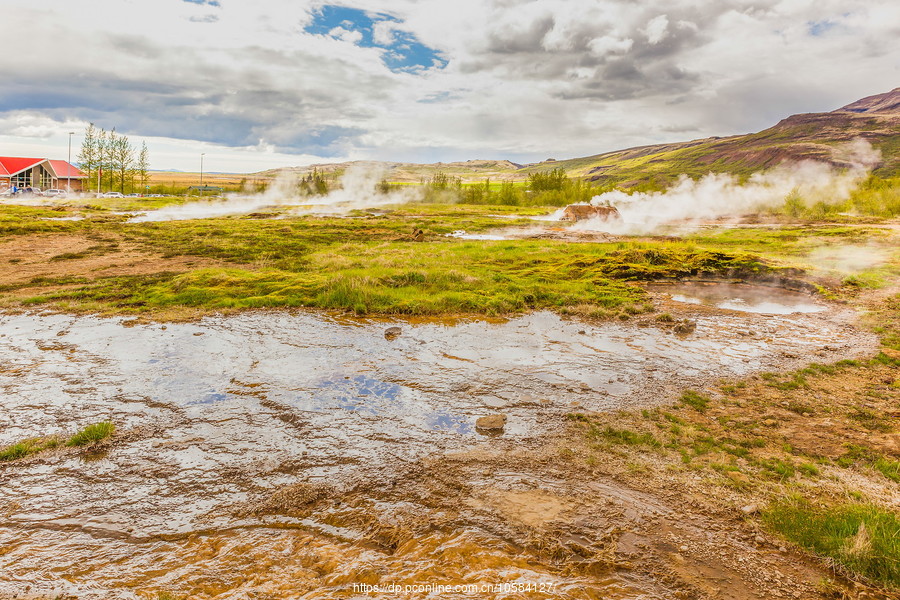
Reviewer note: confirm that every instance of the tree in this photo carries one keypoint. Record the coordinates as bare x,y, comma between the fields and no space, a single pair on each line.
89,157
121,161
551,180
103,167
143,165
108,159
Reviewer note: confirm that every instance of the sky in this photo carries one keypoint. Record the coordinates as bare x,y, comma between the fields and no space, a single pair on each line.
270,83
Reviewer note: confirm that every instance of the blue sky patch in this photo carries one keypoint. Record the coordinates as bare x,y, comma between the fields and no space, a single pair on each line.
402,51
817,28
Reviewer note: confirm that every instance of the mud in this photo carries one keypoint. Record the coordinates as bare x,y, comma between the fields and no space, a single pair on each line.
224,418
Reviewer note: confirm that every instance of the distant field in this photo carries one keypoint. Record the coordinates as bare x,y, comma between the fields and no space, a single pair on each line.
176,181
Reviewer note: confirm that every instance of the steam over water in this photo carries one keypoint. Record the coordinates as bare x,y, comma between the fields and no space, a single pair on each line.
724,195
358,190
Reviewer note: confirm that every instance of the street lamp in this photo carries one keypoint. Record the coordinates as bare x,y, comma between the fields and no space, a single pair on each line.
69,166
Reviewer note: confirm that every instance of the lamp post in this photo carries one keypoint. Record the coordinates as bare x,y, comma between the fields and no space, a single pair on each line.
69,166
202,154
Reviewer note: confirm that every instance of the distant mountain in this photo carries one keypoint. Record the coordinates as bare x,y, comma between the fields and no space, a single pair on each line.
814,136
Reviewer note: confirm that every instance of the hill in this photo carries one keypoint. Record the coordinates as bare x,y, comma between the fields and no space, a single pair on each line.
816,136
805,136
470,170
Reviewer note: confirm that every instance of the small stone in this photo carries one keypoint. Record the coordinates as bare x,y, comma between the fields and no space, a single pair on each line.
682,548
750,509
770,422
491,422
581,331
392,333
486,473
782,549
198,333
759,539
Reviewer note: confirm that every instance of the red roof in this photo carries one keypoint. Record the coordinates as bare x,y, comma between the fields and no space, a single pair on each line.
15,164
64,170
10,165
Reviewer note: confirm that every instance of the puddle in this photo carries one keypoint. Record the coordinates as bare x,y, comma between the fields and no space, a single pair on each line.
263,400
742,298
476,236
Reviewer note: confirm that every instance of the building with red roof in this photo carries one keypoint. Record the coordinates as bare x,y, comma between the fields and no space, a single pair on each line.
41,173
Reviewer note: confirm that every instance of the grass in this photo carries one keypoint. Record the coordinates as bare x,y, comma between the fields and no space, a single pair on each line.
695,400
862,538
28,447
402,277
90,434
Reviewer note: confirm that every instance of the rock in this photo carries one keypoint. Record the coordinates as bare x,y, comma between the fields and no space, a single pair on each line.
782,549
392,333
759,539
770,422
418,235
491,422
750,509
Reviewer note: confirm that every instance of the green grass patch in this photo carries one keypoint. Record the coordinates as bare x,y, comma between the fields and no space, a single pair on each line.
28,447
864,539
439,277
92,433
695,400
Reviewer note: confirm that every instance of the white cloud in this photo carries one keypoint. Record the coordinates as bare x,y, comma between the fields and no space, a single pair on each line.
383,32
657,28
524,80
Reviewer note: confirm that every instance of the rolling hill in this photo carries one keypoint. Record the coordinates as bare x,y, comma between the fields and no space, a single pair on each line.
816,136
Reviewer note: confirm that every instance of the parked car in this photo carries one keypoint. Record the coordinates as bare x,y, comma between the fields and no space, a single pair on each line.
30,191
54,193
112,195
133,196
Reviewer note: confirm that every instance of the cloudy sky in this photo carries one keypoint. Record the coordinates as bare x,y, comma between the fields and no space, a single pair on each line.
266,83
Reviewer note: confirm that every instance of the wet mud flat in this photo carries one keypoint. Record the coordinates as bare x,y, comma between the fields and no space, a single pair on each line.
260,452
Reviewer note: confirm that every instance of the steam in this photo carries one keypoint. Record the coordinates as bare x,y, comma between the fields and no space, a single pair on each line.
358,191
715,196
